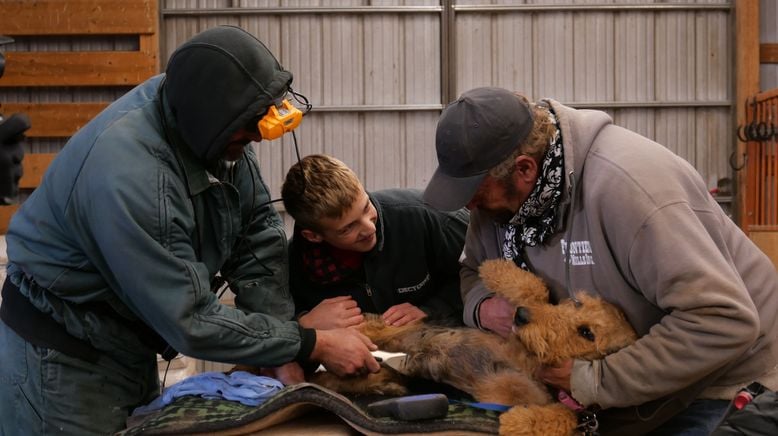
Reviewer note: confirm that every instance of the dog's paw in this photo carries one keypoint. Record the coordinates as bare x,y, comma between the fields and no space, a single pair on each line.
513,283
550,420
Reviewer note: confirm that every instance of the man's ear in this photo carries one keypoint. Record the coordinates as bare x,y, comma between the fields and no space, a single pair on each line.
311,236
526,168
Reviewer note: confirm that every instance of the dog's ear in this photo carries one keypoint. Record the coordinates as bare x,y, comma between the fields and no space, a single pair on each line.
513,283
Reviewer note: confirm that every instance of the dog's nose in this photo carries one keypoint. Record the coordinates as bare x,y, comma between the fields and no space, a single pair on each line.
522,316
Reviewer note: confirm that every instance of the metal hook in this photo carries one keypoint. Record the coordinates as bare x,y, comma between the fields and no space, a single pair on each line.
747,132
734,165
741,133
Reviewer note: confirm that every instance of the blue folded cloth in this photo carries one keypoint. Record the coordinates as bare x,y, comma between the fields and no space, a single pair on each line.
241,386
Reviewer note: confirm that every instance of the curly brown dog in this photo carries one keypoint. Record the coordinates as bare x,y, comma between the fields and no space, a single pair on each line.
497,370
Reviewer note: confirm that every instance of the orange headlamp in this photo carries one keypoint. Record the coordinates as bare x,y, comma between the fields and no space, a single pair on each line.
279,120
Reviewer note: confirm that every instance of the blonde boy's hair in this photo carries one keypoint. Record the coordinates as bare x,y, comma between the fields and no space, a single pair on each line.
319,186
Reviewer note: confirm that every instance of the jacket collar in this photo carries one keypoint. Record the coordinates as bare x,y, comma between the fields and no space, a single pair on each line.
579,129
379,226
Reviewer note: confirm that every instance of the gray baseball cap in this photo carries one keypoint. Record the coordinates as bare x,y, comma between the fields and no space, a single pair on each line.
475,133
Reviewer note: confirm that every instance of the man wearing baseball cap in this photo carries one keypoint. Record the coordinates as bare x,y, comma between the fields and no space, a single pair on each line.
588,205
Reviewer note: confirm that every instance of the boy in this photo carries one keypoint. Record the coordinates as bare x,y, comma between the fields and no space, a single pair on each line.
352,252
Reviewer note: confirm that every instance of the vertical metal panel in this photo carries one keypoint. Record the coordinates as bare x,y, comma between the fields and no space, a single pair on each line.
384,156
714,78
634,69
675,81
712,56
343,60
675,130
344,138
768,33
634,52
513,55
384,64
473,48
593,57
675,61
302,53
713,146
421,51
638,120
420,158
553,56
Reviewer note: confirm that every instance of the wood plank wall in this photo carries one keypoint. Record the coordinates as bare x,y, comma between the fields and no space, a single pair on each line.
21,19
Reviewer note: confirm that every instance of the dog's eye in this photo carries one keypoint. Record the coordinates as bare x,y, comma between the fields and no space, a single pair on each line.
586,333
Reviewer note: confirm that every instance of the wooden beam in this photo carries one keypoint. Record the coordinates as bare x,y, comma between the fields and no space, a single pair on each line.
34,167
747,84
77,17
766,238
149,44
55,120
768,53
95,68
6,212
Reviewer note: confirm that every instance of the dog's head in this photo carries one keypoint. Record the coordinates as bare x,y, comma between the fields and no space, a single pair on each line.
587,329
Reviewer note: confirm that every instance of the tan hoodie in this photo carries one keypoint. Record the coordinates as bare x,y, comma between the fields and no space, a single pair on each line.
647,236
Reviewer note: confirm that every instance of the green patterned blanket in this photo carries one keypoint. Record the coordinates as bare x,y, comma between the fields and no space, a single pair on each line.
192,415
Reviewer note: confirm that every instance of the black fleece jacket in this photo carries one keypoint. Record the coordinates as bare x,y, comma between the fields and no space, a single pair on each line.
415,260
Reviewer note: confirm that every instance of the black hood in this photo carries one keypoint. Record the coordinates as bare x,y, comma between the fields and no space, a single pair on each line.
216,82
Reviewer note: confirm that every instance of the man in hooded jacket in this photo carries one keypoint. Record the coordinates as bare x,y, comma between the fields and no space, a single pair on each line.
112,259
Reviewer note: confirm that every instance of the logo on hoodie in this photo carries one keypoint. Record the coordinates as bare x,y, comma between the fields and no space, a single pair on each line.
580,252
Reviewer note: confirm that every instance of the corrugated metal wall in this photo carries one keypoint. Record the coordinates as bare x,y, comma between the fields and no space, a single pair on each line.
378,72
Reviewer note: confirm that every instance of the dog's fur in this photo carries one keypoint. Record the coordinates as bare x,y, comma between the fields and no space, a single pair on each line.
497,370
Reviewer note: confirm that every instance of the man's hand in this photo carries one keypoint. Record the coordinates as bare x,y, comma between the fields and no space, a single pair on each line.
496,314
344,352
401,314
338,312
288,374
558,375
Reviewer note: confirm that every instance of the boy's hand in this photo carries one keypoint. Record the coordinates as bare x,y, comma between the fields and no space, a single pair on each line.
344,352
332,313
401,314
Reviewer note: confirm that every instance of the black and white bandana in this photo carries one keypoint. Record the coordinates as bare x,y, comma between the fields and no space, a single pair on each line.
537,217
